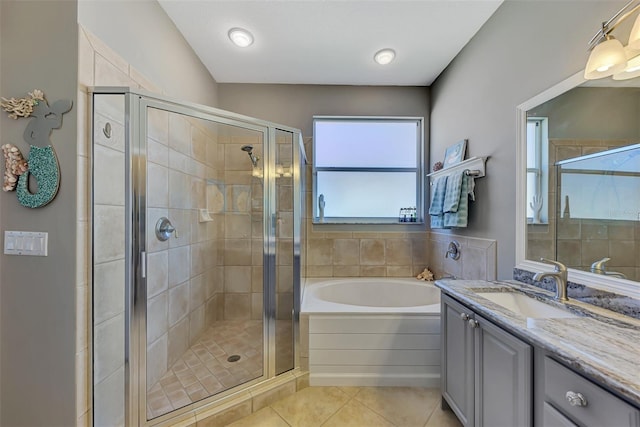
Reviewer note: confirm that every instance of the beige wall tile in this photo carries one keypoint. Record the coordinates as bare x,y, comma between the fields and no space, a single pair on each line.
178,341
320,252
179,265
156,360
372,252
157,315
108,177
284,278
179,190
237,306
108,290
157,273
157,186
256,306
373,271
623,253
108,233
178,303
196,323
108,340
108,399
227,416
237,226
158,125
398,251
179,133
107,74
238,252
346,270
346,252
399,271
319,270
237,279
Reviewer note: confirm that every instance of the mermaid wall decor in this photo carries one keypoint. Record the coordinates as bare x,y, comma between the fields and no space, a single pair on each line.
42,164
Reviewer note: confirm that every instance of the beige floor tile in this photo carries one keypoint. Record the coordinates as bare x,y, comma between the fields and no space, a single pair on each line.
441,418
355,414
351,391
311,406
403,406
265,417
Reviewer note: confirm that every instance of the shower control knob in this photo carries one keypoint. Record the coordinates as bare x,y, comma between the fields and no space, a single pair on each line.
164,229
473,323
464,316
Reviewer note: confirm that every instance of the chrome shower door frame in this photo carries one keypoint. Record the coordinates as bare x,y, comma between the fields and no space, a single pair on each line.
136,104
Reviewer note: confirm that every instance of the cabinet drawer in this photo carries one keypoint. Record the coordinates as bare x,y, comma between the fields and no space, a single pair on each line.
601,408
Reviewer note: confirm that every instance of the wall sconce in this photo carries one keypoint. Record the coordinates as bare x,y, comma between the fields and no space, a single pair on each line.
608,56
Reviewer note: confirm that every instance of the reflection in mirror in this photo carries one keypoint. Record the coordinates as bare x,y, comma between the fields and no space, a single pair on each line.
583,179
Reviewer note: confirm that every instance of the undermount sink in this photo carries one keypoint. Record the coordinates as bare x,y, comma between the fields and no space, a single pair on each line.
526,306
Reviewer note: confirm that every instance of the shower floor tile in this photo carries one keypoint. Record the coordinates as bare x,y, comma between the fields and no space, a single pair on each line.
203,370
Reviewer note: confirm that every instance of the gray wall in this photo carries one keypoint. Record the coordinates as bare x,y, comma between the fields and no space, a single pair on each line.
39,50
526,47
295,105
142,33
593,113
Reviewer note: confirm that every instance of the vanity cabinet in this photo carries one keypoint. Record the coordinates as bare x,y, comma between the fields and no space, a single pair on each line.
486,371
569,399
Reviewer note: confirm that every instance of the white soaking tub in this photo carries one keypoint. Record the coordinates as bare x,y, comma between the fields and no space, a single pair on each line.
373,332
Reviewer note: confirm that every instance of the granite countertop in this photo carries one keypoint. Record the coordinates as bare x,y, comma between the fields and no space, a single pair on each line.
601,344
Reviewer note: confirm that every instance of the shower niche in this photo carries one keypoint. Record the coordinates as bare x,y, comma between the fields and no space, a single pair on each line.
196,238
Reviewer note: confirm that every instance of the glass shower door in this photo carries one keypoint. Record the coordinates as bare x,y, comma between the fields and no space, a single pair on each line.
201,193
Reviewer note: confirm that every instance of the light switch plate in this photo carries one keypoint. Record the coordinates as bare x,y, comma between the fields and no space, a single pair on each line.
32,243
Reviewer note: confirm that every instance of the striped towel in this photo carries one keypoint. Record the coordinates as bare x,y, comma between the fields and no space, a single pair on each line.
460,202
437,200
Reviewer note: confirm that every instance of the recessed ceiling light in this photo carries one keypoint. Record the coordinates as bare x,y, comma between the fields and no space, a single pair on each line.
240,37
384,56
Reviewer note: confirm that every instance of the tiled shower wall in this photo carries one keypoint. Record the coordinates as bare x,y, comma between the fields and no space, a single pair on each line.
100,66
580,242
184,272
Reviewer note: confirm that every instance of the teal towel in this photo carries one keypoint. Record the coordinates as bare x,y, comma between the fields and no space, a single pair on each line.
437,200
452,194
460,217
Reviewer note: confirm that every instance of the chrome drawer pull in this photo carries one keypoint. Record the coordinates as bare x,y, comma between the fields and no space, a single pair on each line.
464,316
575,399
473,323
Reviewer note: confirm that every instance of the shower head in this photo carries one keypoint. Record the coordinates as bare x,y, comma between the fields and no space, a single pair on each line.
249,150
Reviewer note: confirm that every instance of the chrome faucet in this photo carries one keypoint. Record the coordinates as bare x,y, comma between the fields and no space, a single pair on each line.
599,267
560,276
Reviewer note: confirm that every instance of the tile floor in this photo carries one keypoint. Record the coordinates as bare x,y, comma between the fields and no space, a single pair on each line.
203,370
355,407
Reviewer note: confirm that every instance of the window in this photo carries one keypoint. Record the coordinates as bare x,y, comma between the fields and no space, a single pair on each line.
366,169
537,170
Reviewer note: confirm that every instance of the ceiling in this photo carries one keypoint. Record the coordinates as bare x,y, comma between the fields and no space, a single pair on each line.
329,41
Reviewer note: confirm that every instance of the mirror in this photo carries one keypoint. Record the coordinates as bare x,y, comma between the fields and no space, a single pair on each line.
580,178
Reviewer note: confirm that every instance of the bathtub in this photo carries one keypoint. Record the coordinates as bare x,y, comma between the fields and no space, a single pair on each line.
372,332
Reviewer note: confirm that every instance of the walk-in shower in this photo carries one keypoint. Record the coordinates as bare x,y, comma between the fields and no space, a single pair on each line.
196,258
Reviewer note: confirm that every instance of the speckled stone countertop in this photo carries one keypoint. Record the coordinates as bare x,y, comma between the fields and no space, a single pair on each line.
600,344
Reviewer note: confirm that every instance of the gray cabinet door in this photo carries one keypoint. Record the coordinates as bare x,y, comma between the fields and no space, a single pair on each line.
503,370
457,360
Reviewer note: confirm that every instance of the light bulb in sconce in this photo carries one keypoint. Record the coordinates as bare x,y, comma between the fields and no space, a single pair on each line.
607,58
286,172
279,170
633,66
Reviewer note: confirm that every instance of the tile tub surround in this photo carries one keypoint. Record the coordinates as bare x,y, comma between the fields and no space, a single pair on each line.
602,345
611,301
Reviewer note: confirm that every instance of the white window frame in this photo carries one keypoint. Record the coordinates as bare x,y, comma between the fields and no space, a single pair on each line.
541,168
418,170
